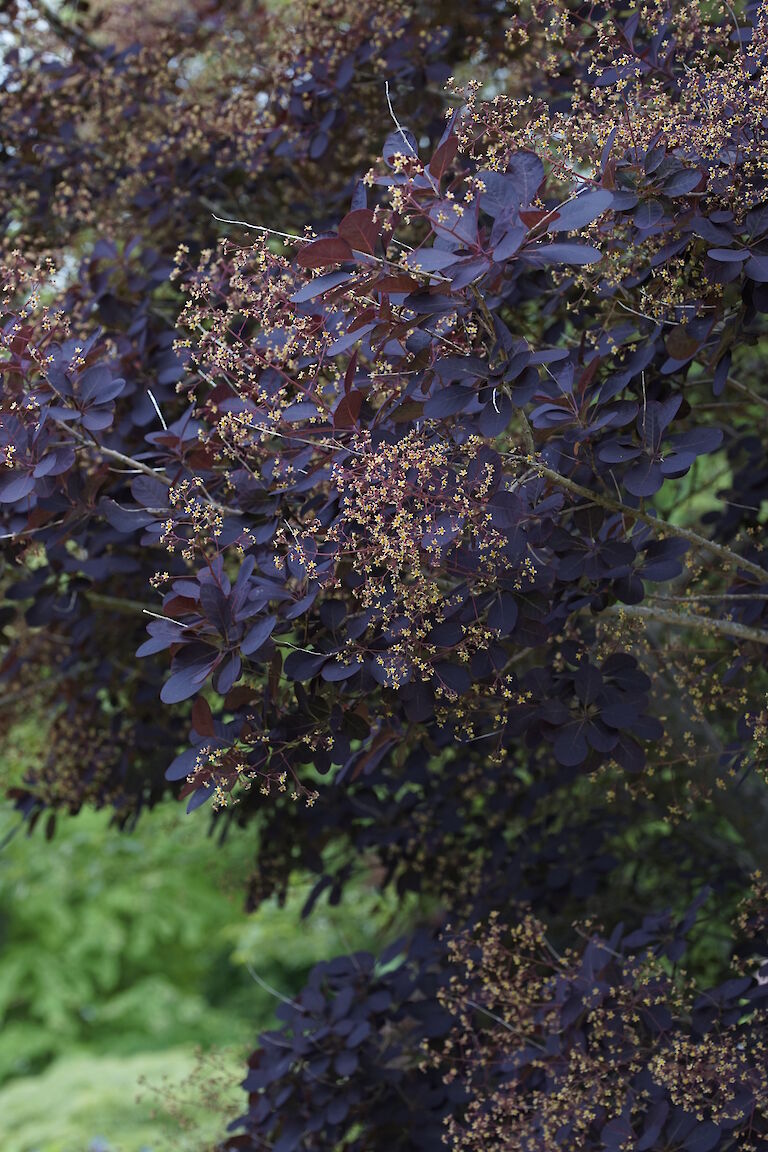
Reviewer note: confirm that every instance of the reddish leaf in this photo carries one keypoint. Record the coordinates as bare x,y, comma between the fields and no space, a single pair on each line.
534,216
360,230
202,717
21,339
364,318
187,788
391,284
681,344
318,254
349,375
180,606
238,697
201,459
348,410
405,413
588,375
443,157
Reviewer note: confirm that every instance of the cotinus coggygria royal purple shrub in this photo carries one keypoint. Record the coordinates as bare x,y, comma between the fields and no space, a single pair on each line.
394,480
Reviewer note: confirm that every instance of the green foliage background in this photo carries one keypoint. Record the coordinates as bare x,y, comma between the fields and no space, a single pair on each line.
131,979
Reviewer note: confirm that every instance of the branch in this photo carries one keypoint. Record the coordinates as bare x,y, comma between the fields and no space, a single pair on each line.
661,527
745,391
398,125
136,465
708,596
116,603
689,620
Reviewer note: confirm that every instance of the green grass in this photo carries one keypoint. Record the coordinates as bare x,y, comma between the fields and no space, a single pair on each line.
161,1101
128,955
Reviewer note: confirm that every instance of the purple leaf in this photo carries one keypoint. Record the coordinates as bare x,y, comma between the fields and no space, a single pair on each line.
681,183
303,665
644,479
495,416
729,255
199,797
581,211
227,673
163,634
502,196
320,284
96,386
399,143
502,615
301,410
125,519
648,214
615,453
16,487
183,765
452,676
588,682
562,254
451,224
333,672
570,747
430,259
468,271
97,419
215,605
509,243
757,268
449,401
258,635
698,441
187,681
527,172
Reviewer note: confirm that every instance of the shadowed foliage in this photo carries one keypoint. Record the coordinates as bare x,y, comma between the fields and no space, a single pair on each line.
384,467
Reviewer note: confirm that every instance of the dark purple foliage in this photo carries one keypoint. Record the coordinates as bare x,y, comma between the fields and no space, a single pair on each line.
428,541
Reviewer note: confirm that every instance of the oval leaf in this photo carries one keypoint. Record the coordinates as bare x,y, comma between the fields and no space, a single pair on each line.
321,253
563,254
581,211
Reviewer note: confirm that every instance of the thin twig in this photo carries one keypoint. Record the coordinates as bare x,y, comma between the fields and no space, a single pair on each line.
272,991
169,619
31,531
156,406
745,391
504,1024
398,125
